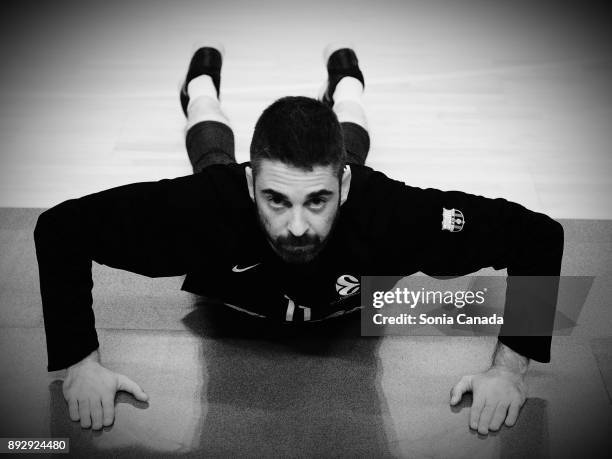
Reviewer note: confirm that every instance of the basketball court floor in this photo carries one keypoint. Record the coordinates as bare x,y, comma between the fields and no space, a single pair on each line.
507,100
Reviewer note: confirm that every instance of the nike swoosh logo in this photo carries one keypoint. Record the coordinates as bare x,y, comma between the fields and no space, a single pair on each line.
236,269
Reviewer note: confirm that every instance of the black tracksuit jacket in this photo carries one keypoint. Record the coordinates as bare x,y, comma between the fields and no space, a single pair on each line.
205,226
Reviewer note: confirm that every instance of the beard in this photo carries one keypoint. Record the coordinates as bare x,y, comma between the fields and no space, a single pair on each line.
292,249
297,249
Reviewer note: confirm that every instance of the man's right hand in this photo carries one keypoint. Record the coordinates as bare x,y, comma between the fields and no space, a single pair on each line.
90,389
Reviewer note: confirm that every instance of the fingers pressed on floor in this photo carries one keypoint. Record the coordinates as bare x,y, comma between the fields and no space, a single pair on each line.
475,411
513,413
73,409
95,407
108,407
84,413
499,416
485,418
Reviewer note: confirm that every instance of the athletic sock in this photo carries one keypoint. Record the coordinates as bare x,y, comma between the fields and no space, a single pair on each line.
348,88
201,86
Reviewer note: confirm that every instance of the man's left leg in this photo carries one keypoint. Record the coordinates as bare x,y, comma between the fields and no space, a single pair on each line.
209,137
343,93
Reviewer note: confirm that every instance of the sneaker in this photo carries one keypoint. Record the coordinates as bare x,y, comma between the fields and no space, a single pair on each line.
340,62
206,60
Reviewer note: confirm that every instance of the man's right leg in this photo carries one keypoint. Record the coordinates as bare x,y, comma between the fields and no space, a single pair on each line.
343,92
209,137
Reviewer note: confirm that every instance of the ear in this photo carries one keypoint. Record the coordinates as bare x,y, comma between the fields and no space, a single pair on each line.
248,172
346,184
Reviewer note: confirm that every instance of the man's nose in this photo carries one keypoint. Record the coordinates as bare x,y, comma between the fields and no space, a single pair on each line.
297,225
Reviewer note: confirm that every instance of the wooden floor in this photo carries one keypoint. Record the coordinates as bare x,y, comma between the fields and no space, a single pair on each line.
510,101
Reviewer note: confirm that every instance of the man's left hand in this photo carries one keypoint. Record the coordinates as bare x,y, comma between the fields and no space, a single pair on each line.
498,395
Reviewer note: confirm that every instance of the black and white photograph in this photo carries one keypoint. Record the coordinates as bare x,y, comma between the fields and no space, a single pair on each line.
306,229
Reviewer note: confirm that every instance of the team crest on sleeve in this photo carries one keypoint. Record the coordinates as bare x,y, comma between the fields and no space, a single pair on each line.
347,285
452,220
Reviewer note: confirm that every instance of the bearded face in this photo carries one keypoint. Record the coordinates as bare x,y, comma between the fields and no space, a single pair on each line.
297,209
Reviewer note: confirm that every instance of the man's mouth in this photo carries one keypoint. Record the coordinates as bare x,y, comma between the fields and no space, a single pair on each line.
300,247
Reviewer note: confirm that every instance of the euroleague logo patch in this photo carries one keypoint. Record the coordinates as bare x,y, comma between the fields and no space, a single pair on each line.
347,285
452,220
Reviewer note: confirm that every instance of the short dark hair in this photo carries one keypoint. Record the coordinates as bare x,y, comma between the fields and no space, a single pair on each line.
301,132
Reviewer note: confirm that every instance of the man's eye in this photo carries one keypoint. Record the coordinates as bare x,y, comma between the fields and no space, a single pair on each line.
275,201
316,203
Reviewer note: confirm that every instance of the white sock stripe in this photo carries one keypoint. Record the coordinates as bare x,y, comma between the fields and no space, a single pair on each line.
201,86
348,88
351,110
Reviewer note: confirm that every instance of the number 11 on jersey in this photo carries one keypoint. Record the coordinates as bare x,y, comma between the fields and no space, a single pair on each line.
291,310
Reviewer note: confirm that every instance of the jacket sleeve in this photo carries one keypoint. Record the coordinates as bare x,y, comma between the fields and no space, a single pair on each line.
148,228
454,233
